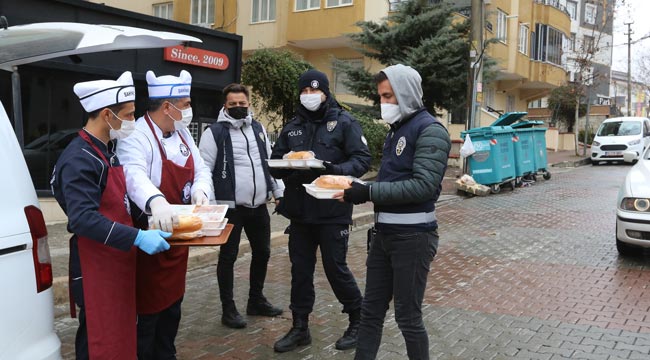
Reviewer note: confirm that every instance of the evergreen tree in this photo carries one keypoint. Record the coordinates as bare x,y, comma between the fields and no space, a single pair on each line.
424,36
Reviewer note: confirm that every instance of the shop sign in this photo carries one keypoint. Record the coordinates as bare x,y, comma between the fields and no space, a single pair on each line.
196,57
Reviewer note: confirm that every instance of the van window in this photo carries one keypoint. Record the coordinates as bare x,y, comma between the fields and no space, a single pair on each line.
620,128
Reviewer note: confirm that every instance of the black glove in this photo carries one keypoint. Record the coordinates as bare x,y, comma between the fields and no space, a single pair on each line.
331,169
357,194
280,207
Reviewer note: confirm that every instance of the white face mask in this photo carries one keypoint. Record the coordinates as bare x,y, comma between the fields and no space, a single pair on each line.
311,101
186,118
390,113
127,128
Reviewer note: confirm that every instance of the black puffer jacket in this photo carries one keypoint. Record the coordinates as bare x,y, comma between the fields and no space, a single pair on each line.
333,135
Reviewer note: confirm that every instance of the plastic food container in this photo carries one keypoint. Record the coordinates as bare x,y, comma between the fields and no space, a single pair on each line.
214,228
296,164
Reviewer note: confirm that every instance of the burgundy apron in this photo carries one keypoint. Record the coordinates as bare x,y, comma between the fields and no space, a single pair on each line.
161,277
109,277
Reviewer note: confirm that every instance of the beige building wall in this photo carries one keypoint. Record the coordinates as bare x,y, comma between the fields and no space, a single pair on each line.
139,6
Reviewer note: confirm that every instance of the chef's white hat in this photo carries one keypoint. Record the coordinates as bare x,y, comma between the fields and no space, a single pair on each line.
98,94
169,86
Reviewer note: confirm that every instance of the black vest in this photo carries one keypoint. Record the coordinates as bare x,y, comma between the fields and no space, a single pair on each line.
223,174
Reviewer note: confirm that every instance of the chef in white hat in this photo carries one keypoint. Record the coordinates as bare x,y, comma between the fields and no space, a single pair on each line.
163,166
88,183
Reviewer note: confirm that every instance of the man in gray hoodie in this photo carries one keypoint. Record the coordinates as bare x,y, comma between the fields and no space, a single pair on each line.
235,149
404,240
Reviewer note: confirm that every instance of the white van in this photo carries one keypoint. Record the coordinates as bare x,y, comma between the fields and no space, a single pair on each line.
620,139
26,304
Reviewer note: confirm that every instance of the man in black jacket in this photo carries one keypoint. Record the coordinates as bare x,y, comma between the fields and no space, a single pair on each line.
335,137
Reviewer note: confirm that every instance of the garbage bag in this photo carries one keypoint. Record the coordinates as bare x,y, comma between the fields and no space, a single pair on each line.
468,148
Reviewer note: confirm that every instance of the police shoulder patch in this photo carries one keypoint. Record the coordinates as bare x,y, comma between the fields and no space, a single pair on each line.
401,145
331,125
363,140
261,135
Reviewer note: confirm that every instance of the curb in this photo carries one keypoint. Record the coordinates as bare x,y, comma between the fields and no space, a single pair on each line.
572,163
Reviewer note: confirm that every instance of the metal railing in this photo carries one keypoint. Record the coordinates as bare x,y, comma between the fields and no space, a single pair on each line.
554,3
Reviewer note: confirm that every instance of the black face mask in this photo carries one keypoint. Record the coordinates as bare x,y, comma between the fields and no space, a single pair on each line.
238,112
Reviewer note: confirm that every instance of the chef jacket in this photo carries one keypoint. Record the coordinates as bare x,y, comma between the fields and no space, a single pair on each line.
140,156
78,181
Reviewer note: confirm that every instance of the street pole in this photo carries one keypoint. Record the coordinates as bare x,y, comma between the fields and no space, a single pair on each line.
475,70
584,141
629,67
476,60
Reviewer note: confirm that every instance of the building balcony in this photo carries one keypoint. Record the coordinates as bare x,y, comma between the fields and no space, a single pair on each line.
324,27
551,13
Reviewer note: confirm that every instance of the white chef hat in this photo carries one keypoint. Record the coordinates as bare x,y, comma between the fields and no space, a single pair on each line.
99,94
169,86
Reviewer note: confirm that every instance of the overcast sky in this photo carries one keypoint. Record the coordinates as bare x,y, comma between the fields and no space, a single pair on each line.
639,12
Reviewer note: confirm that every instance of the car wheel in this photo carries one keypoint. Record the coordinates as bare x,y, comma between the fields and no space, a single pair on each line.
595,162
624,249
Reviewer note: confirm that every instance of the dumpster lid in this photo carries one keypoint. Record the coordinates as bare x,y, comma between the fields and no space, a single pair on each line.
526,124
486,131
509,118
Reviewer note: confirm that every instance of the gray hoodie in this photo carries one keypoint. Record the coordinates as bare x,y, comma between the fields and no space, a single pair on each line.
407,87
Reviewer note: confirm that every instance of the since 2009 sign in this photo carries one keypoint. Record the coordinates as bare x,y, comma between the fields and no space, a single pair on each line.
197,57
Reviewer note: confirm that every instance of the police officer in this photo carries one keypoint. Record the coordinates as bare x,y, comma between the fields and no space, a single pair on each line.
88,183
321,126
407,187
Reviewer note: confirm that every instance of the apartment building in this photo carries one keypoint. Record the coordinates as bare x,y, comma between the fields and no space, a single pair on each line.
619,101
590,44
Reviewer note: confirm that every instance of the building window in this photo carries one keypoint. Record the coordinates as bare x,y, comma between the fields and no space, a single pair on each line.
307,4
590,13
523,39
588,44
572,42
335,3
263,10
572,9
489,97
548,44
164,10
340,77
202,12
502,25
510,103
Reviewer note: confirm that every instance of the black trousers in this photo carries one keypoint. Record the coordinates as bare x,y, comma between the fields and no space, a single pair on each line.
257,225
157,333
304,240
81,339
397,269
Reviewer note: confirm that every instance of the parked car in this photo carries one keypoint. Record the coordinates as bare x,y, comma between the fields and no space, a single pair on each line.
617,136
633,208
27,320
42,153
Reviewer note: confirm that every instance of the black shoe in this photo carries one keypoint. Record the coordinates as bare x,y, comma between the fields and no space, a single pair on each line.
262,308
349,338
294,338
232,319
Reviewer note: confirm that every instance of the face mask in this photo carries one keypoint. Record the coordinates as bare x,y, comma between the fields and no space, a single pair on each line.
186,118
238,112
390,113
310,101
127,128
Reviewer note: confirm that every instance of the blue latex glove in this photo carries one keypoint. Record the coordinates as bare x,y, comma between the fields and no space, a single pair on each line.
152,241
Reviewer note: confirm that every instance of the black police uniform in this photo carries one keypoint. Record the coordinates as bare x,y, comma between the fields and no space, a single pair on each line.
334,136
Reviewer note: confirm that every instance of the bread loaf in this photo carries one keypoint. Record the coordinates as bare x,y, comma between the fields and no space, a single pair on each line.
187,227
333,182
300,155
